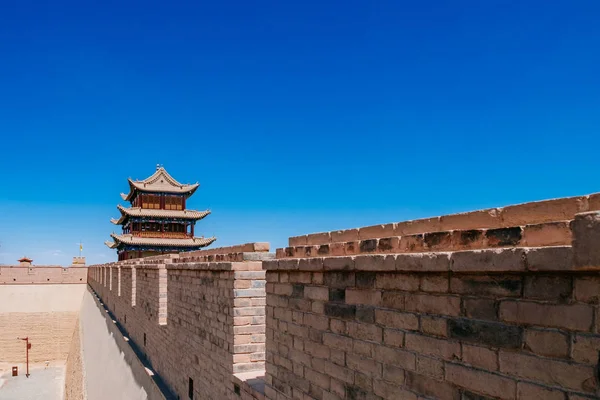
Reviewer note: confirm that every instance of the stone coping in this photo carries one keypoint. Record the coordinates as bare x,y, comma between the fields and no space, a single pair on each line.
557,233
218,266
557,258
516,215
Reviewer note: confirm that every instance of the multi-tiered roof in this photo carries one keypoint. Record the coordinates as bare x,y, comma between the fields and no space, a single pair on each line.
157,221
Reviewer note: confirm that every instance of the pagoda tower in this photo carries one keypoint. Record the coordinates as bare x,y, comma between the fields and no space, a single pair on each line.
157,221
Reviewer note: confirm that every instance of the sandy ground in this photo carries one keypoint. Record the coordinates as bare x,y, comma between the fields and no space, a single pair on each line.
44,383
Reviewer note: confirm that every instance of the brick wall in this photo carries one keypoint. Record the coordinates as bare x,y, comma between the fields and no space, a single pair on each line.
194,319
534,213
493,304
43,274
510,323
49,332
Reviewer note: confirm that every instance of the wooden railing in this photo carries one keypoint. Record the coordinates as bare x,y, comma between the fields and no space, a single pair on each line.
174,235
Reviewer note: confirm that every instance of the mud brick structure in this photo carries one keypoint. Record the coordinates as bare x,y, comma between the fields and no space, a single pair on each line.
494,304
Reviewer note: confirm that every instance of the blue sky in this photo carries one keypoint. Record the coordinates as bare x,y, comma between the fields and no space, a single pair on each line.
295,117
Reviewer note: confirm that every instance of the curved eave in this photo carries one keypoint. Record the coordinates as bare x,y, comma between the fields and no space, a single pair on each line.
134,187
136,212
110,244
162,242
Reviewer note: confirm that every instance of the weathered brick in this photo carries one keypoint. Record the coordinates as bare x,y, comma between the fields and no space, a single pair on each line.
339,264
501,237
480,308
376,231
430,387
368,246
556,288
543,211
363,297
412,244
438,241
339,280
375,262
503,285
343,311
587,289
408,282
365,314
527,391
443,348
318,238
547,234
573,317
430,366
365,365
550,258
398,320
594,201
445,305
388,245
348,235
489,333
418,226
481,357
335,371
363,348
337,341
547,342
480,381
365,280
398,357
549,372
316,293
367,332
434,325
586,349
338,295
492,260
489,218
392,337
435,284
391,391
297,241
423,262
393,374
393,300
468,240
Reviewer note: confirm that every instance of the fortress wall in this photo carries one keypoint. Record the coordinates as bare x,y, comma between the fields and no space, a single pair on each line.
45,313
193,320
461,309
515,323
534,213
14,275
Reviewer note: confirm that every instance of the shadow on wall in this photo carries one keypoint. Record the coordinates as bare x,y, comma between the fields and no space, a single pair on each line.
115,368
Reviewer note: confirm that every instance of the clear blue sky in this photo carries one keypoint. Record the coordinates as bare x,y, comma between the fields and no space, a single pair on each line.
295,117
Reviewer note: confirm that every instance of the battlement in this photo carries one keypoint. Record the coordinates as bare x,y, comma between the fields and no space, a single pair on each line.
42,274
495,304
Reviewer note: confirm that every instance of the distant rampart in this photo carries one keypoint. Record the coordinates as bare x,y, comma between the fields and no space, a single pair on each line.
494,304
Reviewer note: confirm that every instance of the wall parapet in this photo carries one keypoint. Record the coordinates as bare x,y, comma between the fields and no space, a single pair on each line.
40,275
195,320
511,323
532,213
